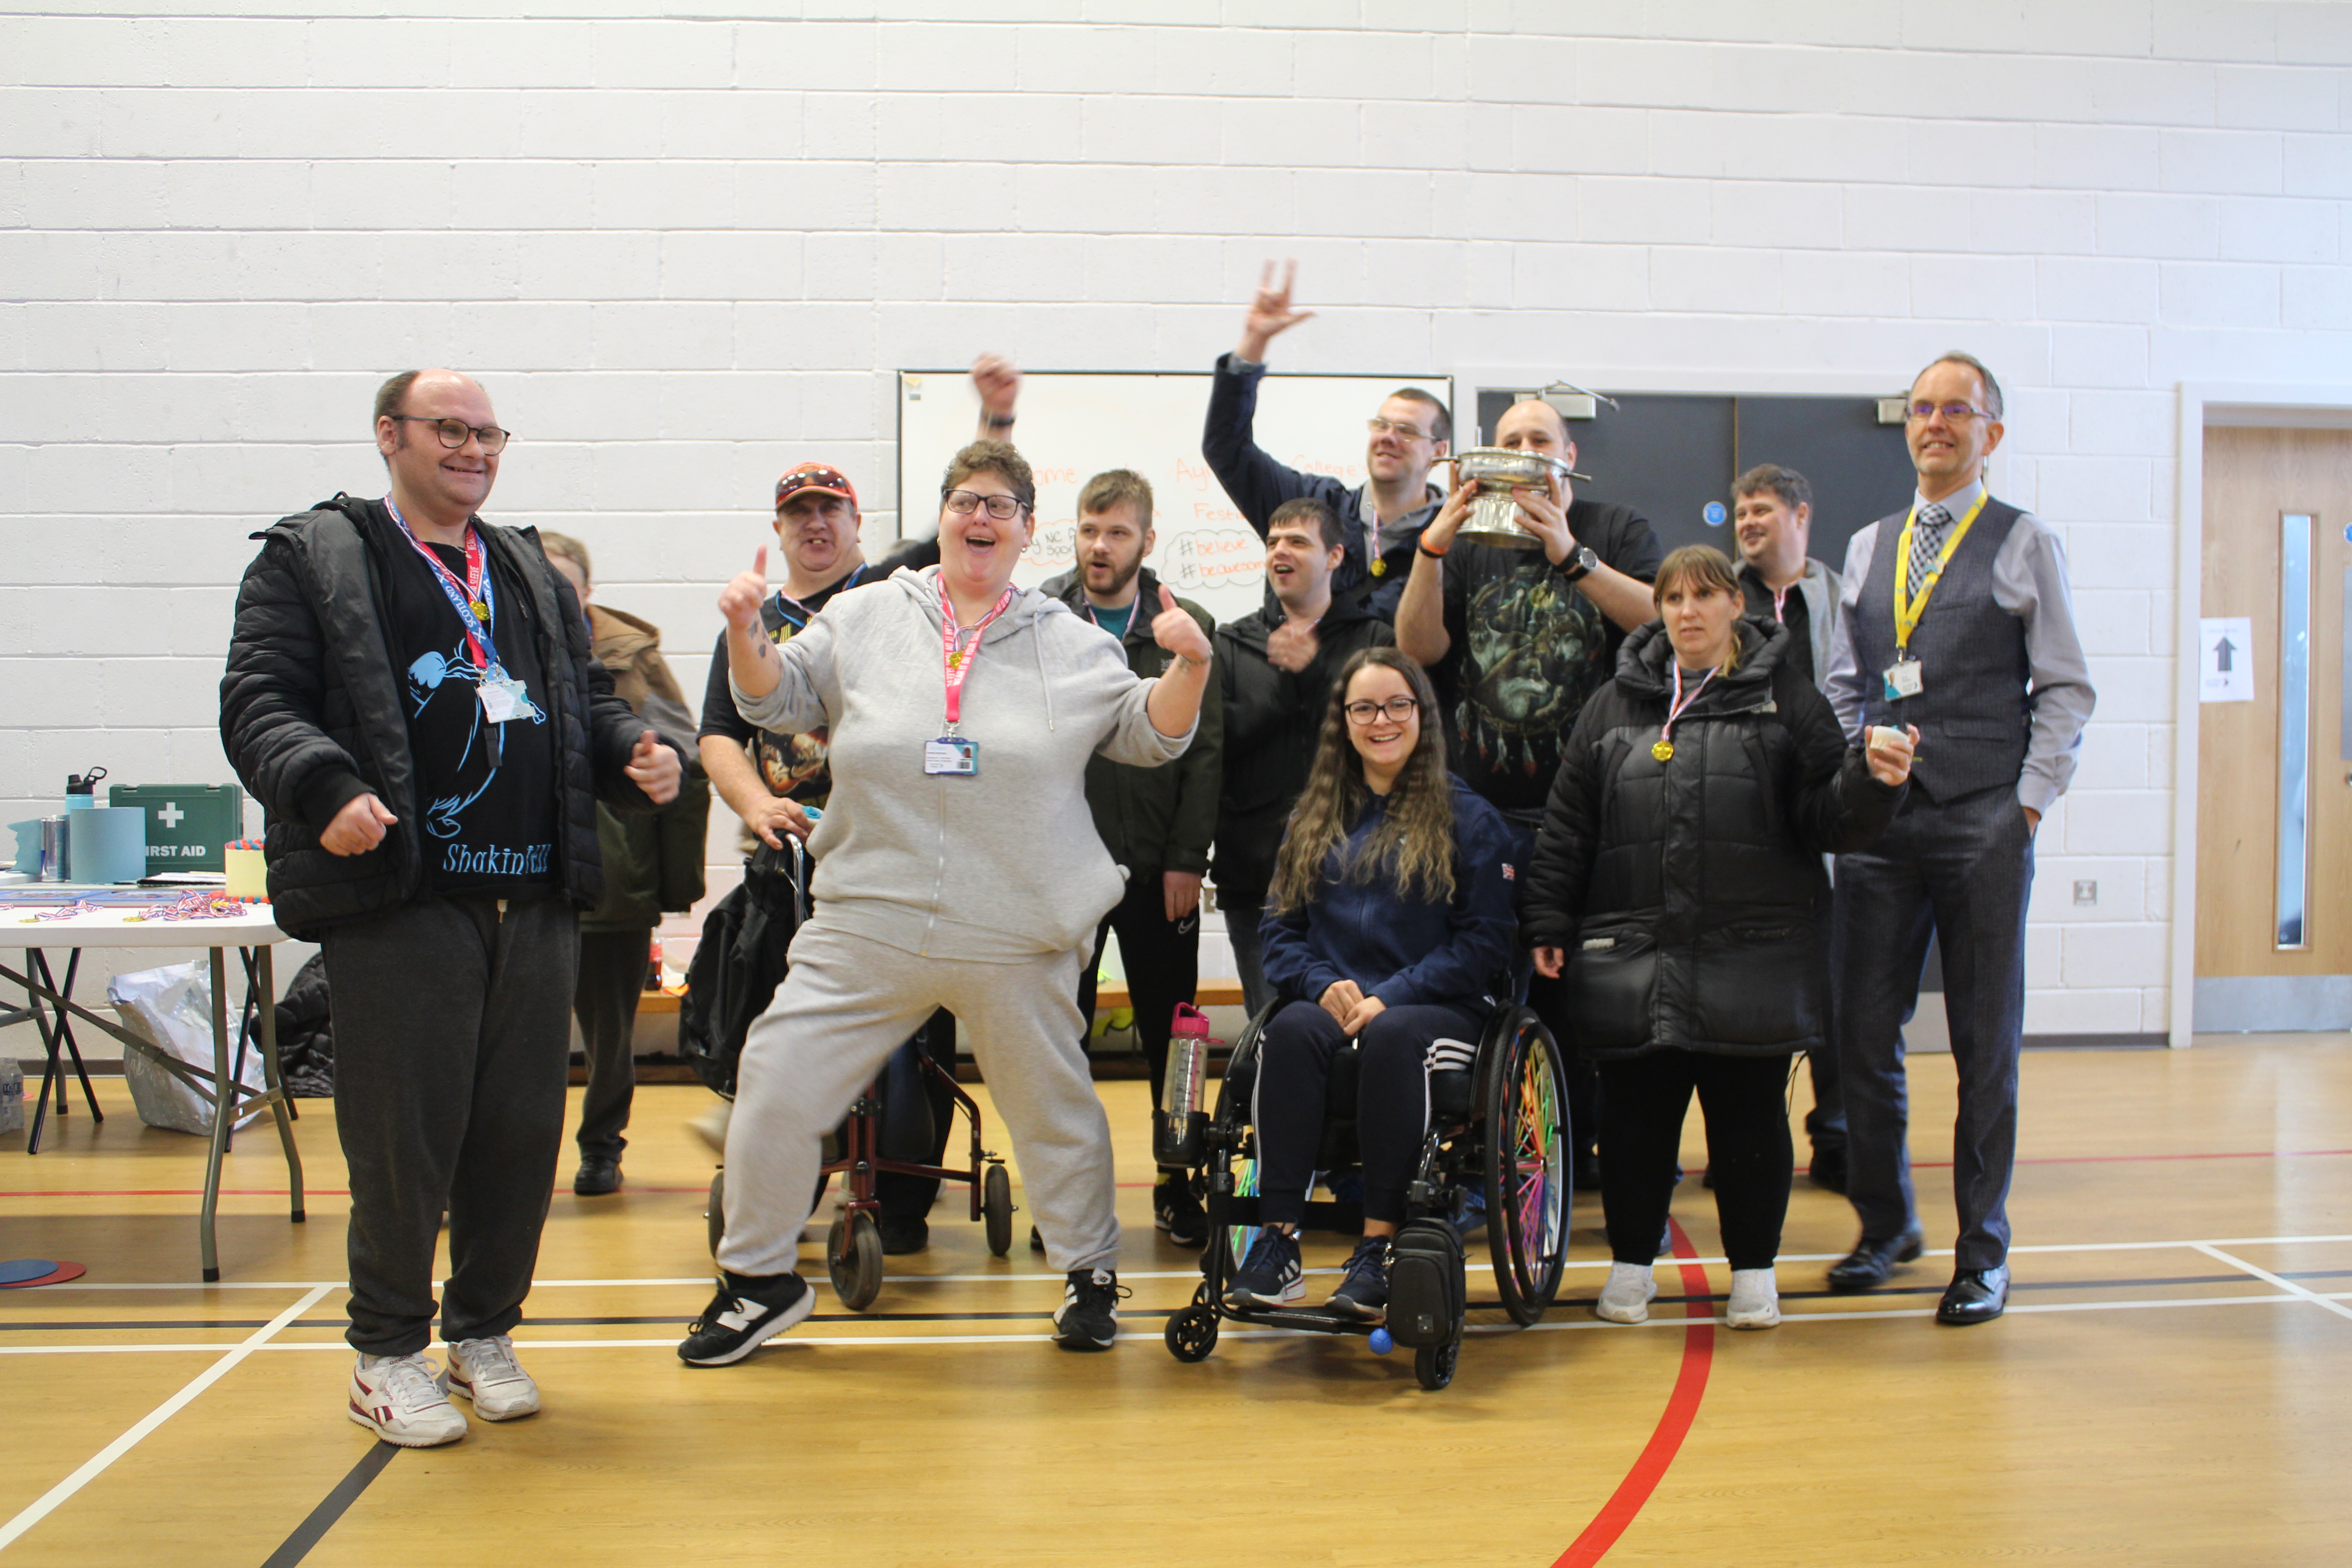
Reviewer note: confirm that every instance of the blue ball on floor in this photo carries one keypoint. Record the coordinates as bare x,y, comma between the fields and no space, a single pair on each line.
1383,1342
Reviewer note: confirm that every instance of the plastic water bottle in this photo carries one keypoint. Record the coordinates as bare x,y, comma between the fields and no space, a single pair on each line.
1179,1129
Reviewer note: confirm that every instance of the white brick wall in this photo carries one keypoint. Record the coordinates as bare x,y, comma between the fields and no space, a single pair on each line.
683,253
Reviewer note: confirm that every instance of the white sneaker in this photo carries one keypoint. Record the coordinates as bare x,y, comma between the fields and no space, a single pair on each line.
400,1399
1755,1299
486,1372
1626,1298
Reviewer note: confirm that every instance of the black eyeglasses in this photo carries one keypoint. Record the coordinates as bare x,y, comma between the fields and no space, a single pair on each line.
1396,709
963,503
1953,413
453,433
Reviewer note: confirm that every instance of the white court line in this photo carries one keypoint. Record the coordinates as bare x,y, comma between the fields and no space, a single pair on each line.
2274,1281
1228,1332
41,1507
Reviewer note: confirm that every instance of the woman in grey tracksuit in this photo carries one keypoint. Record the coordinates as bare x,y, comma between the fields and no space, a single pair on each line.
958,867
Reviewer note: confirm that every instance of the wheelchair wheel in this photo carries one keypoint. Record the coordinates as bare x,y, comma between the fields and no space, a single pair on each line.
856,1279
1191,1333
996,1209
714,1217
1234,1110
1526,1170
1434,1365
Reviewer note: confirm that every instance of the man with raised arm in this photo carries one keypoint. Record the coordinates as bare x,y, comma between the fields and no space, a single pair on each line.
1378,518
413,697
1959,622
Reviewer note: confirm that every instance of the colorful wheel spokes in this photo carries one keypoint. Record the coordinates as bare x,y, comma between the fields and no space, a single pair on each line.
1536,1164
1244,1236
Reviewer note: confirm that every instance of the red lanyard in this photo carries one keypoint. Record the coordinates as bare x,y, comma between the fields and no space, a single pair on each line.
473,608
1666,730
958,662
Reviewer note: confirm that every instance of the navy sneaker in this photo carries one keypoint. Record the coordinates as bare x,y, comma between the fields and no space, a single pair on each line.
1271,1276
1088,1318
1364,1293
745,1311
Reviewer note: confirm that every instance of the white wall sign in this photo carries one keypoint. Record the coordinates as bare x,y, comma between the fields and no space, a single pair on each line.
2225,658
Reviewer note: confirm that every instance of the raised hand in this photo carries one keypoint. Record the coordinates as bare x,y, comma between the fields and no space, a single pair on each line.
998,382
1270,314
1439,534
654,768
359,827
740,601
1544,513
1178,632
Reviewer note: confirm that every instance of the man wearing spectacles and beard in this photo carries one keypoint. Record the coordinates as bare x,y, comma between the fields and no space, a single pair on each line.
1957,622
1380,519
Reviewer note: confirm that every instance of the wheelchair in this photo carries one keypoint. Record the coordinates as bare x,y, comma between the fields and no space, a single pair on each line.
874,1139
1499,1119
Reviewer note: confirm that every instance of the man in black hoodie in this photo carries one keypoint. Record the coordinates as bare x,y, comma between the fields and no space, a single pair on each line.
411,696
1275,669
1156,821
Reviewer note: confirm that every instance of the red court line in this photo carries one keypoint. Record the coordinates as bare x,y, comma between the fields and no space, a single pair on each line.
1673,1425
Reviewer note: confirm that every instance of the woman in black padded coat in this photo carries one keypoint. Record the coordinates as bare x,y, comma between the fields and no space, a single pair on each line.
1679,883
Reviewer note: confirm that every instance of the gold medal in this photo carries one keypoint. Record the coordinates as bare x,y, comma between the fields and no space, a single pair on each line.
1663,750
1380,568
955,661
481,611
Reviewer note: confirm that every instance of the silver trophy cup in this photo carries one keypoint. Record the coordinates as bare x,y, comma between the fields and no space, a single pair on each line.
1497,471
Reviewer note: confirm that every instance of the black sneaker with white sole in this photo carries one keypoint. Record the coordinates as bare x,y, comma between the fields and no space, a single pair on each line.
1088,1318
1364,1294
1270,1277
1177,1211
745,1311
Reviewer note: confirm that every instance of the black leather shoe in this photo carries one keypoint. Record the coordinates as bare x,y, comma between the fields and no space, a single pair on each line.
903,1234
599,1174
1828,1168
1974,1296
1868,1265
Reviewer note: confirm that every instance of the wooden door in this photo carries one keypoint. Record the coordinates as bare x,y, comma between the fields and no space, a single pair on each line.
2256,481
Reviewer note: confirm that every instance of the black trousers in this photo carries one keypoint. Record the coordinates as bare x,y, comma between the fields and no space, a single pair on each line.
1644,1100
604,1001
1961,872
452,1047
903,1085
1294,1080
1242,912
1825,1123
1164,966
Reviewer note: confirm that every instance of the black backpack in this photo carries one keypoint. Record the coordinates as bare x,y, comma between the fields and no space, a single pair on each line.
739,961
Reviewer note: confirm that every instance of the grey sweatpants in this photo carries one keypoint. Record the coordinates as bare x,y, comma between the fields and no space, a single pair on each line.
845,1005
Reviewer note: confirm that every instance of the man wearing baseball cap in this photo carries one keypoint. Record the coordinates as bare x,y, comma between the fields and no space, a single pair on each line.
773,781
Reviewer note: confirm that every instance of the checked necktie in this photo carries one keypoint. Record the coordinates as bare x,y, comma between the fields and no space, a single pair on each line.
1927,541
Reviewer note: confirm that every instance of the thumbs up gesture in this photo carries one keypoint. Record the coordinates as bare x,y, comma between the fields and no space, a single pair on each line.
1177,631
740,601
654,768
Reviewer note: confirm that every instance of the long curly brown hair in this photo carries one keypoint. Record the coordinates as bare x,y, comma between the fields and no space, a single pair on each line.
1414,845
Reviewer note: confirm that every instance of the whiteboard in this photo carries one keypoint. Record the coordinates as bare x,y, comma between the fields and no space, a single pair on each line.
1076,424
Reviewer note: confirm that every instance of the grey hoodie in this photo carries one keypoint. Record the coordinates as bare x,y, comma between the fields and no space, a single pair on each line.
998,867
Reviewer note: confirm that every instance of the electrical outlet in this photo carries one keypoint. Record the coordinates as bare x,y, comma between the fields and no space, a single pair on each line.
2086,892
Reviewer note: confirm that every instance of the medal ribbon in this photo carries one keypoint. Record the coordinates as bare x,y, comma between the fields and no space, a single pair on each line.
476,601
1910,607
958,663
1675,710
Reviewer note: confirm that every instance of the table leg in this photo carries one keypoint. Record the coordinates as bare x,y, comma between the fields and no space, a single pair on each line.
224,1112
51,1045
260,960
65,1031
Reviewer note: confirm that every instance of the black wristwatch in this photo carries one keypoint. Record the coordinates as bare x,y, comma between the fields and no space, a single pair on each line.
1579,566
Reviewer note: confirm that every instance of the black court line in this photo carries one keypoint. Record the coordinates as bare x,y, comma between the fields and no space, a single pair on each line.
324,1516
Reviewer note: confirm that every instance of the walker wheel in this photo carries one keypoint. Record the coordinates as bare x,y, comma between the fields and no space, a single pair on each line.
1434,1365
857,1275
715,1217
1191,1333
996,1209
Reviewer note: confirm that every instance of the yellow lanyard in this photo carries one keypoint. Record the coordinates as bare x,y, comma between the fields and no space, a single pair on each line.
1910,607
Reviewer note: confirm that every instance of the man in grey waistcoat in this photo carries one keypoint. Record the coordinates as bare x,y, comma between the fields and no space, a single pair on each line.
1772,517
1959,621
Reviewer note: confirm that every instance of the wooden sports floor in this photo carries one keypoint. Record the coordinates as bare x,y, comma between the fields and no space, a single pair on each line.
2169,1385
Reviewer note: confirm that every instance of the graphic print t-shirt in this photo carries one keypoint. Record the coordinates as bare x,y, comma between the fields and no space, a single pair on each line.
1527,648
794,766
485,792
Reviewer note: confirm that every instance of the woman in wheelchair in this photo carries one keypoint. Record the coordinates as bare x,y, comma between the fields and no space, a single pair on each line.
1389,922
1679,881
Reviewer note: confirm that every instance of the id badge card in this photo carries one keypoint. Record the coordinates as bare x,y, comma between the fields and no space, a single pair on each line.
504,701
952,756
1904,679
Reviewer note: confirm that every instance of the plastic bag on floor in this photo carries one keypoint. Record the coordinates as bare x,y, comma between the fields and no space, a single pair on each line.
12,1095
171,1009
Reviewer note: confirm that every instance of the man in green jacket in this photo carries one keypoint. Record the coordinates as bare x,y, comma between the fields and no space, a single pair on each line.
1156,821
